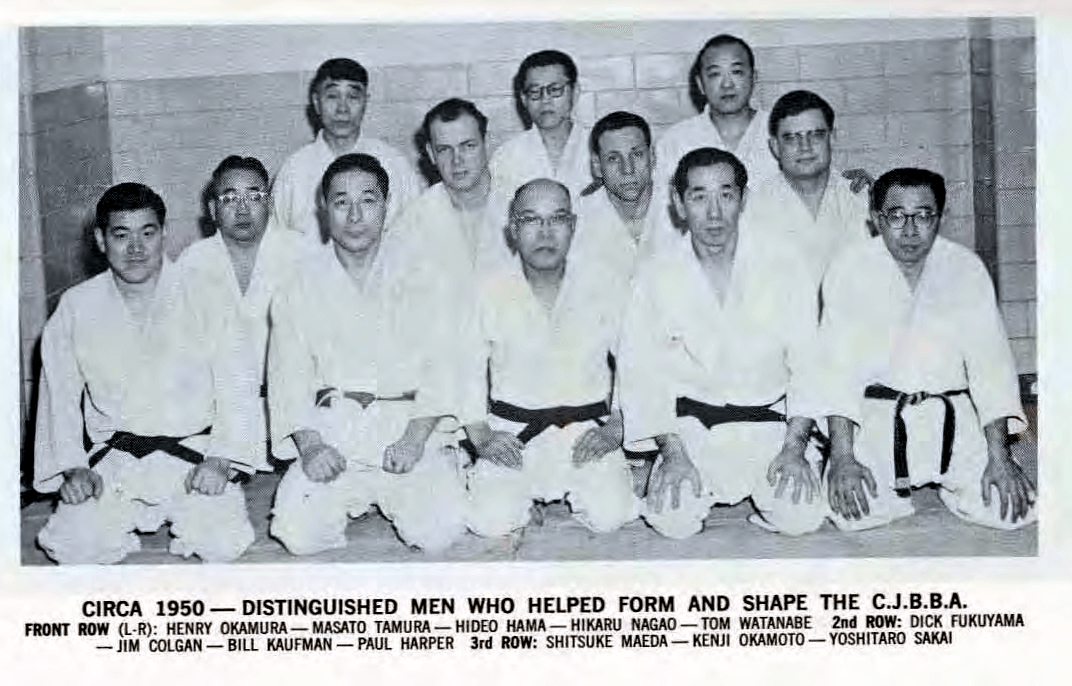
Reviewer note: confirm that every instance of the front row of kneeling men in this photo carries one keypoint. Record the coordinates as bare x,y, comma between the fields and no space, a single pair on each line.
452,392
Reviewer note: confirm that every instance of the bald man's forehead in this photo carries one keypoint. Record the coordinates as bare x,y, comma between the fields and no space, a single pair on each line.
543,193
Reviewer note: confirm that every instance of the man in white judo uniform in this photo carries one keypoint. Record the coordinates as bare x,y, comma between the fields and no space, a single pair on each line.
713,343
233,274
553,145
808,202
619,221
547,325
338,95
356,390
127,359
919,378
464,210
724,74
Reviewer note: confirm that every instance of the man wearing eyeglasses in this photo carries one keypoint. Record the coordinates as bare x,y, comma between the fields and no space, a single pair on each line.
807,202
713,347
553,145
919,381
338,96
234,273
546,326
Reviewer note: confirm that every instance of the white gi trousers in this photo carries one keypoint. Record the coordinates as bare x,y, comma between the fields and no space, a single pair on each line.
733,460
960,488
426,505
140,495
599,493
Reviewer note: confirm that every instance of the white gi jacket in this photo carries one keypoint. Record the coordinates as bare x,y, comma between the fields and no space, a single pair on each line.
297,184
542,359
524,158
388,338
947,335
774,206
151,379
602,233
678,340
239,322
698,132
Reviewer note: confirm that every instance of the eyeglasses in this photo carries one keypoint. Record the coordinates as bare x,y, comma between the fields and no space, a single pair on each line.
898,218
551,90
558,220
796,140
231,198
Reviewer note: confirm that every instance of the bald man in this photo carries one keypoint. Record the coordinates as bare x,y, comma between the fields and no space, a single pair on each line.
547,325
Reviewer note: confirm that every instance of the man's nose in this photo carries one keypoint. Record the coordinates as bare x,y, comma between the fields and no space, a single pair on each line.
354,213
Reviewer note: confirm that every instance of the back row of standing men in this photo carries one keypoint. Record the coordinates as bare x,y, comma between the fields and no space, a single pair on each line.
646,345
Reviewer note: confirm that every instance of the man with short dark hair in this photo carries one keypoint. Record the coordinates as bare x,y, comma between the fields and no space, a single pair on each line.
808,202
338,95
713,343
919,381
127,359
463,212
553,145
724,73
619,221
356,386
233,274
547,324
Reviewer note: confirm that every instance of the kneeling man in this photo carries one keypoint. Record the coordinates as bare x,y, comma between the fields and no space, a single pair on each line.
548,326
920,378
356,390
720,326
126,358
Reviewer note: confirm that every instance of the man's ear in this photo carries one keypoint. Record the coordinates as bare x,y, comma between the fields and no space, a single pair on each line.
98,238
597,170
772,145
744,197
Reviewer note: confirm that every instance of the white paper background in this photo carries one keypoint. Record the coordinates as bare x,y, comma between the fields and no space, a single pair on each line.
1039,587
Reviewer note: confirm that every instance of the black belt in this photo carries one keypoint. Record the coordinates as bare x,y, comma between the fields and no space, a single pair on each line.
140,446
537,421
713,415
325,396
902,483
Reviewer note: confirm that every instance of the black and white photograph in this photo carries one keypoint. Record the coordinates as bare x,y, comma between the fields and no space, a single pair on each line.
528,291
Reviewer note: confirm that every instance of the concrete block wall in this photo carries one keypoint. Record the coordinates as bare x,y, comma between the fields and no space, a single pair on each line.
163,105
1014,156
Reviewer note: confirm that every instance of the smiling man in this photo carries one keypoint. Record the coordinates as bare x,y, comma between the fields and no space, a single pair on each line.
920,383
547,324
715,337
553,146
338,96
356,381
128,360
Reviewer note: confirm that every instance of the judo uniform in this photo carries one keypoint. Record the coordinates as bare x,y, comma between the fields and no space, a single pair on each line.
774,207
680,346
524,158
698,132
539,361
331,339
128,379
239,321
603,234
947,336
297,184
